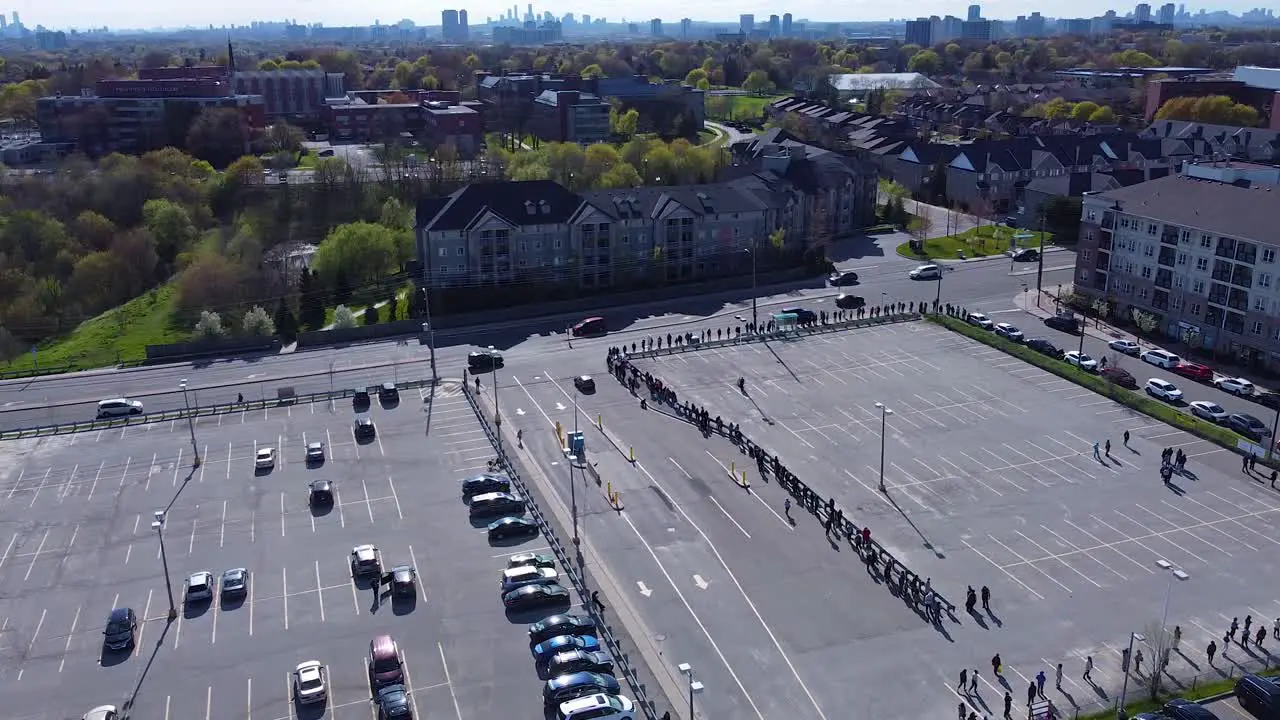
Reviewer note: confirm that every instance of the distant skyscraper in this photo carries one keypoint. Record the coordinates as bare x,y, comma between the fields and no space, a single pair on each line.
449,25
528,14
1142,13
786,24
775,26
586,19
655,27
919,32
16,21
464,31
4,22
685,26
1167,12
975,13
746,23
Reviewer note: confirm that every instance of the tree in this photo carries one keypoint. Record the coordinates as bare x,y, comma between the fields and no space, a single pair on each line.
622,175
1062,217
1160,641
365,251
393,307
778,239
286,324
171,227
625,123
10,348
1083,110
283,137
311,303
343,318
341,287
1101,308
219,135
371,315
93,230
925,62
1213,109
757,82
247,170
1103,116
1145,321
209,326
920,229
257,322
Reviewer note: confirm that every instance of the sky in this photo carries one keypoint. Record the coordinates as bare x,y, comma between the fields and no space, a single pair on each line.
65,14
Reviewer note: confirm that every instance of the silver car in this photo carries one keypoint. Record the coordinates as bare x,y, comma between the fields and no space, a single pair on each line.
199,587
1205,410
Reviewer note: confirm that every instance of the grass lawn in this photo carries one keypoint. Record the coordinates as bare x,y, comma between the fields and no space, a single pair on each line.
738,107
976,242
126,330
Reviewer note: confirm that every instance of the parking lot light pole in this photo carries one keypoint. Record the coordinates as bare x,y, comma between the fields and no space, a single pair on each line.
573,499
1124,689
884,413
497,412
158,525
694,685
1174,574
191,423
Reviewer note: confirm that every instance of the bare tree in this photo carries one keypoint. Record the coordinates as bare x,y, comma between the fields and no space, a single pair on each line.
1145,321
1159,641
921,229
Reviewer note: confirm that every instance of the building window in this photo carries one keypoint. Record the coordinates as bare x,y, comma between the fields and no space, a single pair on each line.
555,244
462,252
523,263
1086,254
1185,237
1256,327
1146,272
1259,305
1268,255
1151,228
523,246
1175,303
1179,281
537,244
444,252
1194,310
626,238
1197,287
1202,264
1182,258
557,260
1264,280
1142,293
1206,241
1148,250
444,269
462,269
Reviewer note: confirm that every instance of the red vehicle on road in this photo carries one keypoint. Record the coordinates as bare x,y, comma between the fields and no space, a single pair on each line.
1194,371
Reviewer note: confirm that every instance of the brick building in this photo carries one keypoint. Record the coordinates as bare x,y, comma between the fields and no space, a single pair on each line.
1252,86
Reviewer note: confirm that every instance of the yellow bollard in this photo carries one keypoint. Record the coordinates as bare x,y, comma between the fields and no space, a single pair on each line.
600,421
633,453
745,482
608,490
559,430
733,473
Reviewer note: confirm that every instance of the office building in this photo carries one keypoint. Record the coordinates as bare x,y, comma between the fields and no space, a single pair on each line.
1075,26
686,25
1142,14
786,24
974,14
976,30
775,26
746,24
1167,13
655,27
919,32
1197,254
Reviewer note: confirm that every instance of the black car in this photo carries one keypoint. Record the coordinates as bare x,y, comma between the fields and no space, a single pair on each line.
572,661
850,302
585,384
484,361
363,427
1044,347
1025,255
360,398
536,595
485,483
235,583
387,392
1181,709
393,702
402,579
512,527
841,279
803,316
557,625
1247,425
1064,323
321,494
575,685
122,625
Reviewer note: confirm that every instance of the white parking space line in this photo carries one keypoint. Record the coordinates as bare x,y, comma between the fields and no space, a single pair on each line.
222,529
35,556
215,603
319,591
167,699
422,583
70,636
195,521
284,594
282,517
208,704
31,646
8,549
248,704
228,460
368,505
355,597
252,584
40,487
731,519
142,629
395,496
449,681
62,491
177,467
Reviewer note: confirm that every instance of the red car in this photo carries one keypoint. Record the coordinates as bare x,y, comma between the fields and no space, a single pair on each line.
1195,371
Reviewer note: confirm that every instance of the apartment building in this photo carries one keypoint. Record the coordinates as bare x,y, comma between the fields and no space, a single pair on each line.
1199,254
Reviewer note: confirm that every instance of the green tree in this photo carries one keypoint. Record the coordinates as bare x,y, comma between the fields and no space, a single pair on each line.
623,175
1062,217
283,137
218,135
393,307
366,251
257,322
311,301
341,287
9,345
757,82
209,326
343,318
1082,111
247,170
1103,116
285,322
170,225
925,62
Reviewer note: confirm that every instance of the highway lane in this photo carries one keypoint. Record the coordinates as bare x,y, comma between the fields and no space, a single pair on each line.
71,397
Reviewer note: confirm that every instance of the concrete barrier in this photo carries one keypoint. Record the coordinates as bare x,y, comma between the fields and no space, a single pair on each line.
211,348
316,338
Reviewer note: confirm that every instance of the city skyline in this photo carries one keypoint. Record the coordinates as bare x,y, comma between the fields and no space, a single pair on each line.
153,14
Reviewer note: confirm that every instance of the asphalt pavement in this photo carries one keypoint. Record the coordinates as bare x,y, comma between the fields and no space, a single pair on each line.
77,541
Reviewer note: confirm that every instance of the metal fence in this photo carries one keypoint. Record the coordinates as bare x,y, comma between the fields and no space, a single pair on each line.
577,579
193,412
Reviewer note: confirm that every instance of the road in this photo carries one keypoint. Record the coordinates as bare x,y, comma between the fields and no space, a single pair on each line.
73,397
735,135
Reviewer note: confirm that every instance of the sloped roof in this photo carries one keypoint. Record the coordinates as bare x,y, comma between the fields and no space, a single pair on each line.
735,196
1239,212
551,204
855,82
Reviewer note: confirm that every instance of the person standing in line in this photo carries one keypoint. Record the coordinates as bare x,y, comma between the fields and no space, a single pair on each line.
986,598
964,680
973,682
1253,463
1057,678
1008,706
1137,662
1108,447
1262,635
1235,625
1211,651
595,598
1126,438
1275,630
996,665
1031,693
1244,464
960,710
1040,679
1248,622
1273,479
1088,669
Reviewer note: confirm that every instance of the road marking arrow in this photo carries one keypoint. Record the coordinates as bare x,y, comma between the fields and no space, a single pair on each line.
702,584
519,411
560,406
644,589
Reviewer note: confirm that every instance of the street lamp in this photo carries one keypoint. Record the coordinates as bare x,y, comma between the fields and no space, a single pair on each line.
573,498
158,525
694,685
884,413
1128,657
191,423
755,318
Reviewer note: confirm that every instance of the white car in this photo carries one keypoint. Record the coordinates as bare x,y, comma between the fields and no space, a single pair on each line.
315,452
1127,347
980,320
199,587
1205,410
606,707
926,272
1161,358
365,560
117,407
1007,331
102,712
1081,360
265,459
1235,386
308,683
1163,389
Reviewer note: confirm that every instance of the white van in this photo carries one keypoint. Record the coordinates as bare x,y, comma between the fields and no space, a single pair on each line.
117,407
926,272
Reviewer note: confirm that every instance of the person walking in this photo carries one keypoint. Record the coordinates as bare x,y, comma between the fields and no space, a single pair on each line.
964,680
1097,455
986,598
1257,639
1057,678
1235,625
1031,693
1126,438
1108,446
1275,630
996,665
1177,638
1040,678
1248,622
595,598
1273,479
1244,464
1253,463
960,710
973,682
1088,669
1211,651
1008,706
786,507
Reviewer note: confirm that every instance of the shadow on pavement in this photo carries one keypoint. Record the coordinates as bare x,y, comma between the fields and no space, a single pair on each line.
142,676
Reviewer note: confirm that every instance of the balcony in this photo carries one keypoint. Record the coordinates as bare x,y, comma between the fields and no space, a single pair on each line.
1103,262
1247,253
1242,277
1168,256
1104,242
1169,237
1164,279
1108,221
1226,248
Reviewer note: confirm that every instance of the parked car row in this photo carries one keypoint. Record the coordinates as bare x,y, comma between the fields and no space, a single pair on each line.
1243,423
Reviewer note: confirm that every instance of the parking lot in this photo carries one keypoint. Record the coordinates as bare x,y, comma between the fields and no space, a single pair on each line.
76,539
990,479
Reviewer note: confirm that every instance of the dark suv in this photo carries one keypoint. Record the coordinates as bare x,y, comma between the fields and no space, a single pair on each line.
363,427
1247,425
360,398
1064,323
387,392
122,624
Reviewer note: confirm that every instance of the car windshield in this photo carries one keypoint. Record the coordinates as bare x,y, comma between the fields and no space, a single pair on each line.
1214,408
386,664
311,682
233,578
117,626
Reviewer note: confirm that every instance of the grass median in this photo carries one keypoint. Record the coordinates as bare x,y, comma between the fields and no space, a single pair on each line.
1195,692
1129,398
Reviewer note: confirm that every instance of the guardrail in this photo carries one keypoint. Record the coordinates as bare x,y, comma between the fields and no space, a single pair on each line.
36,372
195,412
567,567
650,348
897,576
